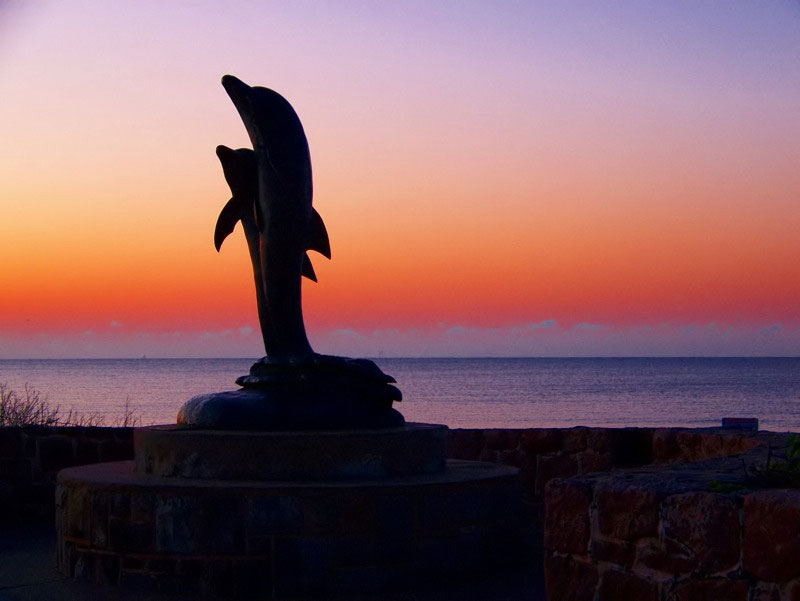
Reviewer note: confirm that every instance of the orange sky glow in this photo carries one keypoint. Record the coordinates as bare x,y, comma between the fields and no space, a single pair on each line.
496,180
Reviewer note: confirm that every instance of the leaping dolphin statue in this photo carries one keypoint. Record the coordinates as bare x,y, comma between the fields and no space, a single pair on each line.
292,388
271,195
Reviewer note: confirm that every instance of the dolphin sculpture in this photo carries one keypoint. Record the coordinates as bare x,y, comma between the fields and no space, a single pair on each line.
292,388
271,195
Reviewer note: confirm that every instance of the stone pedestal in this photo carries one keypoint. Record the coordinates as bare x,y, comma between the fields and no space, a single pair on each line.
285,515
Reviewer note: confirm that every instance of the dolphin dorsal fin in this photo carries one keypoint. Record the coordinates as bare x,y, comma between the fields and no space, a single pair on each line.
230,215
318,235
308,269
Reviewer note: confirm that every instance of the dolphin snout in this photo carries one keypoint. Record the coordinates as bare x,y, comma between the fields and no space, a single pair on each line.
236,88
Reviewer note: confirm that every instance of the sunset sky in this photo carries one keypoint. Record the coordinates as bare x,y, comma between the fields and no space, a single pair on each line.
585,178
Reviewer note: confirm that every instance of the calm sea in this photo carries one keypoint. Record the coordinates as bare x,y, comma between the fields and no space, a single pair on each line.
514,393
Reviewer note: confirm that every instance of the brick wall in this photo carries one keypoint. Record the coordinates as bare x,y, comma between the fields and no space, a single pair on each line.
666,533
543,454
628,513
31,456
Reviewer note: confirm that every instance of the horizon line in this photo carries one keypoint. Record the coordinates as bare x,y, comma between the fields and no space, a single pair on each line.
430,357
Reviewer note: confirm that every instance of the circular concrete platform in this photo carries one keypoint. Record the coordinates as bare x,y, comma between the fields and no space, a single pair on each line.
284,539
172,451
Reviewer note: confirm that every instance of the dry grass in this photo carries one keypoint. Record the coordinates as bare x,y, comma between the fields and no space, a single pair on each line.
31,408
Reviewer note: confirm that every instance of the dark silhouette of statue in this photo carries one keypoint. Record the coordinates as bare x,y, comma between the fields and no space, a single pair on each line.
271,192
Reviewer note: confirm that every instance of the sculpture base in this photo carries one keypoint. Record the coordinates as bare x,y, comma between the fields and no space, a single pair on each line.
244,515
290,407
247,540
307,455
321,392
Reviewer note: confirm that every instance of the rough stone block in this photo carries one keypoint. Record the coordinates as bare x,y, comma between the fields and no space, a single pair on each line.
464,444
396,518
356,513
574,440
123,435
65,555
131,537
501,439
444,554
79,511
710,445
527,477
219,527
86,452
665,446
601,440
771,535
568,580
365,550
55,453
142,506
106,570
693,445
371,579
445,510
589,462
141,582
512,457
791,591
158,565
733,445
114,450
268,515
11,442
626,511
348,513
252,579
83,565
620,553
663,560
18,470
763,591
301,566
549,467
101,503
175,524
615,586
566,523
133,563
708,525
120,505
714,589
632,447
538,442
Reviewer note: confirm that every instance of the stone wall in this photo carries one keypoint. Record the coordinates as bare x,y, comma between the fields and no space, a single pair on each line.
627,513
665,533
543,454
31,456
283,539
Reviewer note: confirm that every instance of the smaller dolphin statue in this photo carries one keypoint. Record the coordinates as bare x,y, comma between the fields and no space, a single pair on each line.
241,173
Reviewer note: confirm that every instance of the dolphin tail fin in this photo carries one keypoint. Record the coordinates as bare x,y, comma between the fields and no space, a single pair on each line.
318,236
308,269
230,215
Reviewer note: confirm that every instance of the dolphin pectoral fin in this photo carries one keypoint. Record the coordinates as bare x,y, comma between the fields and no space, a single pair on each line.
230,215
308,269
318,235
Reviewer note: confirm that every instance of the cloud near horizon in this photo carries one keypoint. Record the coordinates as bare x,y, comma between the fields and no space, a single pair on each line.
547,338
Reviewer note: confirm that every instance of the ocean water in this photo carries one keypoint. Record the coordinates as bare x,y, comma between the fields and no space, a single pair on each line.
486,392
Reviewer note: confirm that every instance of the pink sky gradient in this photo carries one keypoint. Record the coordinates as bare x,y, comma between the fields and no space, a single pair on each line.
624,173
